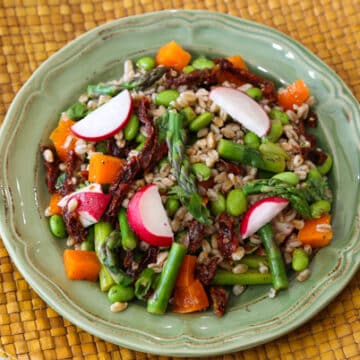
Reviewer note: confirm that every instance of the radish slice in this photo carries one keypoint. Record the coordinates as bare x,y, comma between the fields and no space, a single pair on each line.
260,213
91,203
106,120
148,218
242,108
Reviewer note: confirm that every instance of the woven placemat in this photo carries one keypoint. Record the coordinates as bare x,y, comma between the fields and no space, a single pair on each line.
31,30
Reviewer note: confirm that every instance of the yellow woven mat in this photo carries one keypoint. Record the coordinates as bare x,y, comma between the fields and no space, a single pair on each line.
30,31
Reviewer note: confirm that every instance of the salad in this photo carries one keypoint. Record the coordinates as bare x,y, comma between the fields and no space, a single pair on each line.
188,179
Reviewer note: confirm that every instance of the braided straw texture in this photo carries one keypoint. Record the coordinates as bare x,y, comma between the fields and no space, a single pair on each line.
31,31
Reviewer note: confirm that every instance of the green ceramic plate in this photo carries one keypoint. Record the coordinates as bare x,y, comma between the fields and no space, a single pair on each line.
98,55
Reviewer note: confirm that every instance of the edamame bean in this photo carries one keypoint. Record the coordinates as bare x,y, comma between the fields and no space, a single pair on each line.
236,202
87,246
57,226
252,140
132,127
140,138
202,63
271,148
300,260
166,97
279,115
254,93
146,63
202,121
172,205
120,293
275,132
288,177
189,115
140,146
188,69
219,205
101,147
201,171
89,243
319,208
314,174
325,167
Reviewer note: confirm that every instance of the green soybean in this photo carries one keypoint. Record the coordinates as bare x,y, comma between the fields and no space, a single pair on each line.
132,128
271,148
201,121
202,63
325,167
140,146
288,177
166,97
314,174
236,202
101,147
140,138
89,243
172,205
300,260
57,226
254,93
86,246
201,171
252,140
146,63
188,69
189,114
120,293
319,208
279,115
275,132
219,205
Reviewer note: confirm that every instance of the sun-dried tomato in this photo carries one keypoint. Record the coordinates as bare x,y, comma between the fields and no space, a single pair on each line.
226,239
219,297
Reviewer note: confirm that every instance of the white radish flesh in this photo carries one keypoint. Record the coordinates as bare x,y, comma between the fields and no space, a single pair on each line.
242,108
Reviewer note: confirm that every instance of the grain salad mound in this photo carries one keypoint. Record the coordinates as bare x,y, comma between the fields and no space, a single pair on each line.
185,179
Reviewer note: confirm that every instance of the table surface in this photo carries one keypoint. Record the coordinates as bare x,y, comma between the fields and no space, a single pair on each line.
31,31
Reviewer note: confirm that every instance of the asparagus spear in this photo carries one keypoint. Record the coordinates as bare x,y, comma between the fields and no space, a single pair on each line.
230,150
144,283
101,231
159,300
223,277
276,187
254,261
140,82
186,189
128,238
107,244
276,263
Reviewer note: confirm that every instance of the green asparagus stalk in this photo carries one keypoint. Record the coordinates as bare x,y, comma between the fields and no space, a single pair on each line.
254,261
140,82
128,238
247,155
101,231
105,279
107,243
144,283
223,277
276,262
276,187
186,189
159,300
